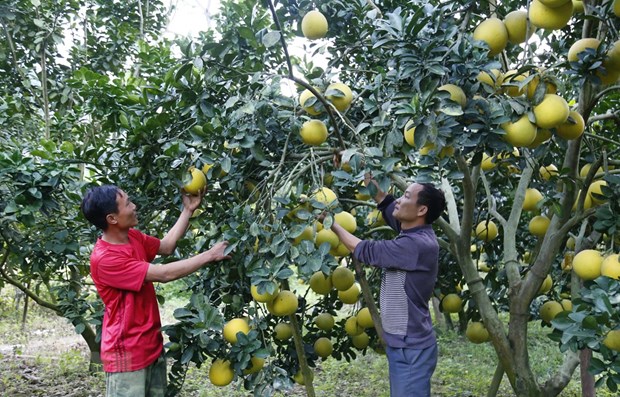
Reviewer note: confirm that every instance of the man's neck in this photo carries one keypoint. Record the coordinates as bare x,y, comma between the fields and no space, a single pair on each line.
411,225
115,236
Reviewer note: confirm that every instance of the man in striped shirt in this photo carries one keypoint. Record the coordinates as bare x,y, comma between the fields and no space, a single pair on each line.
410,265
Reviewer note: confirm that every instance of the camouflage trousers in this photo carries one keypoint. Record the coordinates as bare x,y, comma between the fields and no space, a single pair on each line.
148,382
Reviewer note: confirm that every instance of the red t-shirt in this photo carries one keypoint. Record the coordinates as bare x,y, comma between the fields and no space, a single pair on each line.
131,338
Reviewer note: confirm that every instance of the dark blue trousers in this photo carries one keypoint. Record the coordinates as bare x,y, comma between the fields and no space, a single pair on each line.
411,371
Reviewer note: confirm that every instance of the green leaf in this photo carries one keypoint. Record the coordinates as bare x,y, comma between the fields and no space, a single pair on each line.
271,38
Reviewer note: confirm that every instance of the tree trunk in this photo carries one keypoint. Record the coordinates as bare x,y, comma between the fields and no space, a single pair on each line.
25,313
301,352
587,380
439,318
496,381
90,337
370,302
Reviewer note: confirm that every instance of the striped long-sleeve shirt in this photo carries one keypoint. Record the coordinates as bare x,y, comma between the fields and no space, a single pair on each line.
410,265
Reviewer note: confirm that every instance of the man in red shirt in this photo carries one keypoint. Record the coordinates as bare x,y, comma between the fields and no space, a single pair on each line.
131,340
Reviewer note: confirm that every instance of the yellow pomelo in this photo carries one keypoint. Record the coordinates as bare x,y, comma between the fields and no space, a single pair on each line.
328,179
342,278
616,8
299,378
323,347
548,171
493,32
351,326
320,283
516,26
456,93
612,339
327,236
197,183
554,3
429,146
511,77
451,303
532,198
409,133
324,321
520,133
613,55
234,326
340,250
596,188
340,101
256,364
567,305
581,45
486,231
364,319
487,163
538,225
362,196
307,234
611,267
284,304
570,243
551,112
587,264
587,202
494,79
314,25
569,129
550,88
549,310
476,332
326,196
426,149
546,285
303,97
360,341
264,297
283,331
313,132
483,267
375,218
346,220
609,75
221,372
578,7
546,17
583,172
542,135
351,295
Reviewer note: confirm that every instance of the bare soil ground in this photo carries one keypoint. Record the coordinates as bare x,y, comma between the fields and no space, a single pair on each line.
46,358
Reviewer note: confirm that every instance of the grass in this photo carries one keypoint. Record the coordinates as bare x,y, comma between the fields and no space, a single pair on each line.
48,359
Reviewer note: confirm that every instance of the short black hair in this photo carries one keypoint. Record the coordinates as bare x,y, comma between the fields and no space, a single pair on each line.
433,199
98,202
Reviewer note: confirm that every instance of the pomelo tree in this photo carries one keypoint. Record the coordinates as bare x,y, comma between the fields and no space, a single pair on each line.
476,98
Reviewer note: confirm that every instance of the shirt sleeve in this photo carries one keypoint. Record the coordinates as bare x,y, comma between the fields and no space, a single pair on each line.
122,272
400,253
387,208
151,244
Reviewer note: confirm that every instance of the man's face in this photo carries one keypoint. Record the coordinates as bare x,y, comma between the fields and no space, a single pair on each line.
126,216
407,208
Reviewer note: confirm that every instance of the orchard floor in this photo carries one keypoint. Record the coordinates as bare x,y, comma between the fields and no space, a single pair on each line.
48,359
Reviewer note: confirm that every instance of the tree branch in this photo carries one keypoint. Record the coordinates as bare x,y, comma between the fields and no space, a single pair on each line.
23,288
290,76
